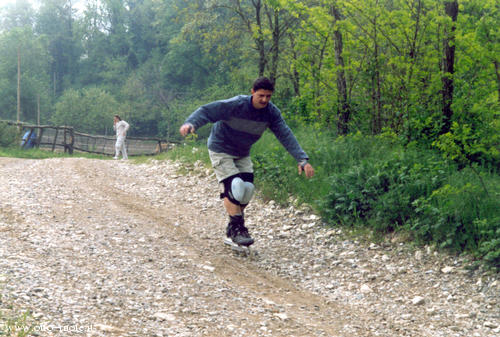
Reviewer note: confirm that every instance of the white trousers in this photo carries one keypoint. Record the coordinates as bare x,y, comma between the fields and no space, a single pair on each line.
121,146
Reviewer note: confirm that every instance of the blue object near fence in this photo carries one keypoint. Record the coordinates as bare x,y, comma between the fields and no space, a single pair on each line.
29,139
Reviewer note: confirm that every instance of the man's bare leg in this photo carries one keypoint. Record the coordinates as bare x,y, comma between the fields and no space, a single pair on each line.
233,209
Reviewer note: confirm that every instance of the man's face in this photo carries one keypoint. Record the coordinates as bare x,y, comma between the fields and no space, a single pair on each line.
261,98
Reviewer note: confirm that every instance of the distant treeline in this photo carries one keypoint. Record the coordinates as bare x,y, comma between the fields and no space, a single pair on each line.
424,70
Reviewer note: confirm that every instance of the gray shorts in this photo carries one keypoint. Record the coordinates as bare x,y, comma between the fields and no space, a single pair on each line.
226,165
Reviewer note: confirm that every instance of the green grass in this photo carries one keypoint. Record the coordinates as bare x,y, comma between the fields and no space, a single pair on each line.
188,152
16,152
376,184
20,325
13,323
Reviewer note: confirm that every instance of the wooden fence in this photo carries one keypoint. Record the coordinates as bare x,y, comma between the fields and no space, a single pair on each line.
67,139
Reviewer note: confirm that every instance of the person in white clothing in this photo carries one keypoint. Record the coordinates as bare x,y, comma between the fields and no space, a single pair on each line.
121,128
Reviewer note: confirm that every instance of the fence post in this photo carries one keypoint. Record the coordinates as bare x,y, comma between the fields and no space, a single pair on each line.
72,139
39,138
104,146
64,141
55,139
68,139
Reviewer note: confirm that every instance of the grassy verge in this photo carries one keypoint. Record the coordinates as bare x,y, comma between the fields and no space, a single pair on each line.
16,152
19,325
190,152
12,322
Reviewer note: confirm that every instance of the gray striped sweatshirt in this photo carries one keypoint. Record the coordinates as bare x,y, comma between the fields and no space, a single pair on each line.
238,125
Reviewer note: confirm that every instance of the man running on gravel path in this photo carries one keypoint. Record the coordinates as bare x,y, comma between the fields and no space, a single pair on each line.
238,123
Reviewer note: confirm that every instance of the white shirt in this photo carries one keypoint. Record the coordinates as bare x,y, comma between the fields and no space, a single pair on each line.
121,129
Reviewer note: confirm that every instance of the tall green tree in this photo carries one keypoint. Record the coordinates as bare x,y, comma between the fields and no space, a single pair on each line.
91,29
369,65
18,14
344,108
474,134
141,29
116,14
268,22
56,21
451,10
87,110
117,36
368,17
319,64
34,65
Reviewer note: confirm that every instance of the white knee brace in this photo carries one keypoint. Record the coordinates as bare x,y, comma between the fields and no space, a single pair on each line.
241,191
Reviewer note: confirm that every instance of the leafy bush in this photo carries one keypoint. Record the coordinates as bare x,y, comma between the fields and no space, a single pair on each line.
87,110
466,146
419,192
462,216
276,170
382,192
378,183
8,134
490,249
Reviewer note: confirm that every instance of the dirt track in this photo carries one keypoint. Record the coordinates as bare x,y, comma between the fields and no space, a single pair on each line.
109,248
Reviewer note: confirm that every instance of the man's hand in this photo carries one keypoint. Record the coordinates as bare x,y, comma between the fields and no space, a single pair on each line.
185,129
308,169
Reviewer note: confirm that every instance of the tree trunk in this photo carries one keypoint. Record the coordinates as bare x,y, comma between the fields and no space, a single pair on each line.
294,73
376,95
413,58
18,84
451,10
343,109
498,77
274,23
268,51
259,40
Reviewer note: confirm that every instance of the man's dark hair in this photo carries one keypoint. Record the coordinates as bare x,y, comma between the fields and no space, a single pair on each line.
263,83
118,117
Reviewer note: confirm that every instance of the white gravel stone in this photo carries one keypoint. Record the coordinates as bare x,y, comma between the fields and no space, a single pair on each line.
365,289
490,325
163,316
418,300
282,316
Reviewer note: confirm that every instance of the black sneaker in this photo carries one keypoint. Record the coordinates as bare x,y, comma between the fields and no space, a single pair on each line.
237,231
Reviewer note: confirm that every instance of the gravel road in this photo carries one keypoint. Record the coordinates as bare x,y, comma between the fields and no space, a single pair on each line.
112,248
